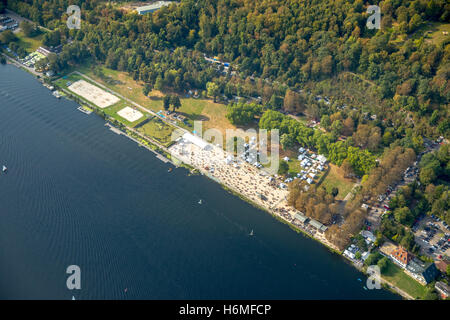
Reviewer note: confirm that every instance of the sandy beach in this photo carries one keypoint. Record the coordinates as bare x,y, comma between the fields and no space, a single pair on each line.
254,184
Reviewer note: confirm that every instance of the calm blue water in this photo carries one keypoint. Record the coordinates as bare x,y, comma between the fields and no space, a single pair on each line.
76,193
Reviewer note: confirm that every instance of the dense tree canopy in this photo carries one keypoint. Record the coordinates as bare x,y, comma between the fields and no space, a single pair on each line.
277,47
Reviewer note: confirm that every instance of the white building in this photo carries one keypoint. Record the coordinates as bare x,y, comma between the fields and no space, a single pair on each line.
369,236
153,7
199,142
322,159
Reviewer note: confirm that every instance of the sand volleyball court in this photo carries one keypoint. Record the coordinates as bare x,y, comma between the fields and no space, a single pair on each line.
130,114
93,94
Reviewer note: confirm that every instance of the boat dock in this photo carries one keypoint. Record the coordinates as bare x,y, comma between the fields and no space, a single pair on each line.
158,155
114,129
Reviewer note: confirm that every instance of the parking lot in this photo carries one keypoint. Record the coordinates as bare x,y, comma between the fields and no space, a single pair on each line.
380,206
433,237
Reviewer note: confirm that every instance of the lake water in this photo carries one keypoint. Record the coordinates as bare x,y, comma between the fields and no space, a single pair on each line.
78,194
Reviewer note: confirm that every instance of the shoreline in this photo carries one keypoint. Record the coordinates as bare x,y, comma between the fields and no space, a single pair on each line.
228,188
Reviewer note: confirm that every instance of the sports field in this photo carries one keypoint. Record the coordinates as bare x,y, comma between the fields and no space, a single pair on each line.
130,114
93,94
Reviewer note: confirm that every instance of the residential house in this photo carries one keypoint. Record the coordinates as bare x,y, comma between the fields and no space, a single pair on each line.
421,271
443,289
401,256
368,236
442,265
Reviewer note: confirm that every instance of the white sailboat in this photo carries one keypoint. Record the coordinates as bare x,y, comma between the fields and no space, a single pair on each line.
4,168
251,233
200,201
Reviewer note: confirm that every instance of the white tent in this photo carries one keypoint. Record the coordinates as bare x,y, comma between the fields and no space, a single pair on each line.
322,158
199,142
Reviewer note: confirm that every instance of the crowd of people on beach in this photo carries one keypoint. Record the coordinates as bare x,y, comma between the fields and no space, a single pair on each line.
253,183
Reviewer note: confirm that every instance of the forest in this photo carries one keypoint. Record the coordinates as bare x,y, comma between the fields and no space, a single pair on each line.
286,54
277,48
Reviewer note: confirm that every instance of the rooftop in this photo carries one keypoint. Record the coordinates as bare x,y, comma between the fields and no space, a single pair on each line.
199,142
318,225
443,288
442,265
301,217
402,255
154,6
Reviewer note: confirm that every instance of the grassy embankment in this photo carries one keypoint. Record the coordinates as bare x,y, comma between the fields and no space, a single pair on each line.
397,277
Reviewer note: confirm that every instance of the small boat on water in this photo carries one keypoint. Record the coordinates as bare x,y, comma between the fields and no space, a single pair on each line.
170,170
200,201
251,233
85,111
4,169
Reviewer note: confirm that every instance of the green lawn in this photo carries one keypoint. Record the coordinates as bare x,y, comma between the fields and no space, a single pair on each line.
433,32
29,44
158,130
62,82
396,276
112,112
334,179
294,166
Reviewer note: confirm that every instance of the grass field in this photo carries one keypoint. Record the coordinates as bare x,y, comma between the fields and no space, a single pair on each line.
336,179
29,44
212,114
397,277
437,35
157,129
433,32
111,111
